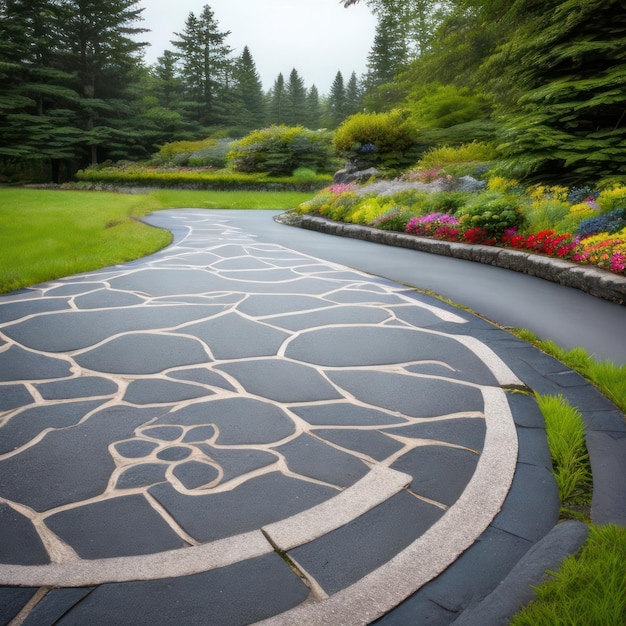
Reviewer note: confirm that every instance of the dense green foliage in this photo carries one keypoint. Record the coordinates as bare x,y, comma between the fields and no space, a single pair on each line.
280,150
386,140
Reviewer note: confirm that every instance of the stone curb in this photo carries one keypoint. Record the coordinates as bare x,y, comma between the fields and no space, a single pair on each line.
516,590
591,280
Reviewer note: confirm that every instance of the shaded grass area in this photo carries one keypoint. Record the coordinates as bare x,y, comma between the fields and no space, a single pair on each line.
47,234
589,588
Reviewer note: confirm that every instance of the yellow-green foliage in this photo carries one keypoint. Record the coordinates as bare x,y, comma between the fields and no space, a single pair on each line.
385,139
612,198
367,211
501,184
169,150
475,152
548,207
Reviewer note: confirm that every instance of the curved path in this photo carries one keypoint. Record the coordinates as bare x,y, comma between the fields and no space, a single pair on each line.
238,429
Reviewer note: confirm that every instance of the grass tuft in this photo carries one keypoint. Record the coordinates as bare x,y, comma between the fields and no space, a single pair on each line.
589,588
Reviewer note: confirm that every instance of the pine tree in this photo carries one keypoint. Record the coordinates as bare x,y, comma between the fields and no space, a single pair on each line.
99,48
313,119
353,95
277,101
295,100
337,100
249,92
205,66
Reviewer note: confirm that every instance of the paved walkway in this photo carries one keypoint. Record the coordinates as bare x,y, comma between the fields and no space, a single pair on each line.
231,431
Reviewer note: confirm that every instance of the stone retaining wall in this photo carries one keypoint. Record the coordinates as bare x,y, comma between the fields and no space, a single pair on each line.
588,278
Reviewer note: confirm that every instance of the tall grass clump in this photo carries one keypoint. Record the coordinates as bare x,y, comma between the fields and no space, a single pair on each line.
565,432
589,588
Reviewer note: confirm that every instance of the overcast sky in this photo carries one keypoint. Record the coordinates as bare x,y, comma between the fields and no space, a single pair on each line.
317,37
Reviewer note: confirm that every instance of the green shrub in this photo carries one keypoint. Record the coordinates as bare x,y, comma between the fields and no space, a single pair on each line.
211,156
177,149
439,106
446,201
280,150
384,140
396,219
491,212
473,153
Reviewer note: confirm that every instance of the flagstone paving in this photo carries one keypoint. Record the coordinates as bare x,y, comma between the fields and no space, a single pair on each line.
230,431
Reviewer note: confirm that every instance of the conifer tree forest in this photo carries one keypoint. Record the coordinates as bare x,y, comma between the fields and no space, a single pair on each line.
545,80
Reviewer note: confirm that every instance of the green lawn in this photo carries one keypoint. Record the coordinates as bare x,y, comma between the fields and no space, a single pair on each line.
50,234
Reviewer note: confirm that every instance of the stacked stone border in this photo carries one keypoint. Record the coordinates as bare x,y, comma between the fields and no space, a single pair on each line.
589,279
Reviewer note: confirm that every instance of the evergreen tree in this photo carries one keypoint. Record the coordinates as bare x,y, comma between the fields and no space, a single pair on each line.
99,48
205,67
295,100
313,119
561,86
353,95
337,100
390,52
249,91
277,101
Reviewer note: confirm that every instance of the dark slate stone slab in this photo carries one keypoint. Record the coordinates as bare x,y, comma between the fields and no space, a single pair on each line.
25,426
247,263
344,347
108,299
282,381
361,296
168,282
533,447
240,421
462,431
608,421
338,315
18,364
344,414
374,444
174,453
525,410
124,526
74,288
159,391
468,580
439,473
532,505
14,396
417,316
310,457
345,555
164,433
81,387
135,448
142,475
203,376
235,463
148,353
261,276
269,304
19,542
69,465
10,311
255,503
232,336
200,434
194,474
472,370
54,605
74,330
12,601
415,397
243,593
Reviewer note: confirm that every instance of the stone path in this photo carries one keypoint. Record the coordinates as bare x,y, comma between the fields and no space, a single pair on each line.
230,432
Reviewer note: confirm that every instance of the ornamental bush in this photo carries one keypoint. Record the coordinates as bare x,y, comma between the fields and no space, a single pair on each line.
492,213
383,140
280,150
